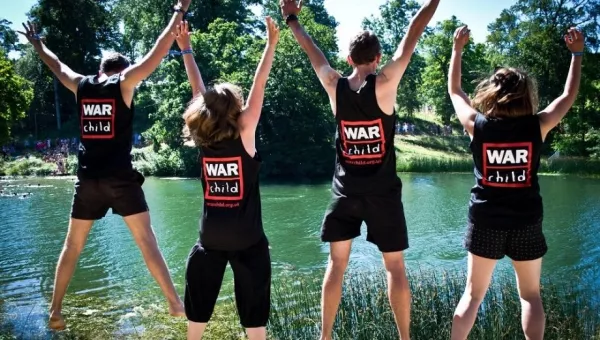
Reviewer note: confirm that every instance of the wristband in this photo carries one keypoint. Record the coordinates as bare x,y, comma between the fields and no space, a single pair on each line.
291,17
179,9
578,54
36,37
188,51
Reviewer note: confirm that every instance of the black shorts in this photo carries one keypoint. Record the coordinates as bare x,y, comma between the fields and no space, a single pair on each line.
383,214
525,244
251,276
122,193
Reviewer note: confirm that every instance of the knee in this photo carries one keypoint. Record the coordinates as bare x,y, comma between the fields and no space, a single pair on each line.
338,264
474,295
72,246
532,297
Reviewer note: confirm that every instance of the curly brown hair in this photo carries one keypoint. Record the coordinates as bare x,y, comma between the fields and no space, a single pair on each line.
213,117
509,92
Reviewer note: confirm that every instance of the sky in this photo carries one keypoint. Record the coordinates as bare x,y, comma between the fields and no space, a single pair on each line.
349,14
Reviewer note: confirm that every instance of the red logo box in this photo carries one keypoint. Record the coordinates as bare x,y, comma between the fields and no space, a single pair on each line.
111,118
364,124
207,178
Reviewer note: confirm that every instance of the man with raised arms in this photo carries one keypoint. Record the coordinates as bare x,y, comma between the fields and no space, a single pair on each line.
105,175
366,187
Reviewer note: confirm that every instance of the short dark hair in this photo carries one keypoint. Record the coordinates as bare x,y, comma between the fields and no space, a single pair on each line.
114,62
364,48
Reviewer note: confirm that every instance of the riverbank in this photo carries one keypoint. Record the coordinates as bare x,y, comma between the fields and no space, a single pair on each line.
415,154
364,312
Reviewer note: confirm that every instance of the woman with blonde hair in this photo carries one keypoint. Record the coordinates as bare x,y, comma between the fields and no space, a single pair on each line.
505,210
231,229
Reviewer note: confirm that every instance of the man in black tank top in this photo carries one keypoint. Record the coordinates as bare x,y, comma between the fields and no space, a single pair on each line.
105,176
365,185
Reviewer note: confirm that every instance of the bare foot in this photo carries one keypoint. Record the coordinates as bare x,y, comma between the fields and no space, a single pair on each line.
56,321
176,308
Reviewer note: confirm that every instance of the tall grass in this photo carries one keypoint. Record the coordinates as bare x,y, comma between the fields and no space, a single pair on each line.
430,165
364,312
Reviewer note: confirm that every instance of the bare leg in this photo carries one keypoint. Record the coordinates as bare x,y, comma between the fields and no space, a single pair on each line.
533,319
398,291
195,330
74,242
142,232
479,276
259,333
332,285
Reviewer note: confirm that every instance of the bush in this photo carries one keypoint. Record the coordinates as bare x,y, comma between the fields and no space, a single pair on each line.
167,161
29,166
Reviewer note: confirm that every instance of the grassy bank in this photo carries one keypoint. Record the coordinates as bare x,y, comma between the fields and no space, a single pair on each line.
364,312
429,154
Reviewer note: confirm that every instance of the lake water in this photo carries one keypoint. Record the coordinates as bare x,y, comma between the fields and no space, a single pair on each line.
111,270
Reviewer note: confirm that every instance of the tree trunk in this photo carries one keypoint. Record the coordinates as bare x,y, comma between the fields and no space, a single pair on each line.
57,103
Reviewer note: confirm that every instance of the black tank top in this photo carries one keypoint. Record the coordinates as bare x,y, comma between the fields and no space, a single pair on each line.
366,158
106,128
506,153
232,212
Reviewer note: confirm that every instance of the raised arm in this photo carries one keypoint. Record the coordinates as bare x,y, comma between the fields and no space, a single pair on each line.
461,102
392,72
327,75
134,74
554,113
65,75
182,36
251,113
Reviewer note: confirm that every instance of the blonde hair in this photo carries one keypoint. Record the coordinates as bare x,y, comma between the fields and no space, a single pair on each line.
509,92
212,117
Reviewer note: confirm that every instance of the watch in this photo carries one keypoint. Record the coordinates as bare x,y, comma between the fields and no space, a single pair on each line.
291,17
179,8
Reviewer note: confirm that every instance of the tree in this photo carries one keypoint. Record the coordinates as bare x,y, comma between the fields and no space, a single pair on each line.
391,28
8,37
77,31
529,35
438,50
15,96
144,20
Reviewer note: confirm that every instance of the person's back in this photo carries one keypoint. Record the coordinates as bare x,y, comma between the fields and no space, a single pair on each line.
506,153
232,211
106,127
365,154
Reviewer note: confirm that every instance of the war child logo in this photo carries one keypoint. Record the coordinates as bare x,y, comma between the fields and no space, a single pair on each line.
507,165
97,118
224,181
363,143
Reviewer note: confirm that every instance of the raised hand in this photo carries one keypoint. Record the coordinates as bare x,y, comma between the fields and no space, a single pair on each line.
273,32
30,34
461,37
182,36
290,7
575,40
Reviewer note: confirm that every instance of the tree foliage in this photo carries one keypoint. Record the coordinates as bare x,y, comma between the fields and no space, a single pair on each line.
438,50
295,135
391,27
15,96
